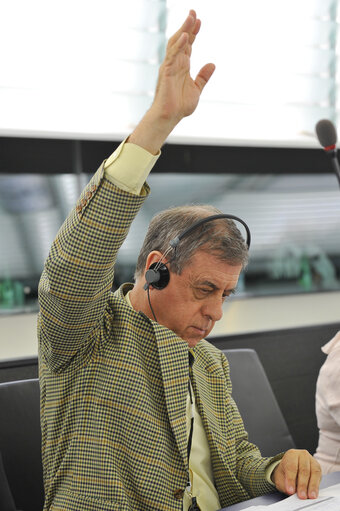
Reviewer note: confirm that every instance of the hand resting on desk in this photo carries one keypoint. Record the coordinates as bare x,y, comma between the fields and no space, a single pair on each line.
298,472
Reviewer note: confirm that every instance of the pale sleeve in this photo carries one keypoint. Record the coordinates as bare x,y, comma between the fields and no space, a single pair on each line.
129,166
270,470
330,382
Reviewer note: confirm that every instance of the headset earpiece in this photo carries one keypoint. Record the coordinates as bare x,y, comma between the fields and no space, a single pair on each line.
157,276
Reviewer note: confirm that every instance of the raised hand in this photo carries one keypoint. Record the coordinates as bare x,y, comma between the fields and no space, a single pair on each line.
177,93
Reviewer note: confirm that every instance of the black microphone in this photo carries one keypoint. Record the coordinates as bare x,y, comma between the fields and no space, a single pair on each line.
326,133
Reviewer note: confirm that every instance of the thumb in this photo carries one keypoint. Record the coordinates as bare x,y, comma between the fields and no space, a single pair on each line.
204,76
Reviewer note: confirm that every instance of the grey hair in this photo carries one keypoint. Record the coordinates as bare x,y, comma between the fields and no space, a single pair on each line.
220,237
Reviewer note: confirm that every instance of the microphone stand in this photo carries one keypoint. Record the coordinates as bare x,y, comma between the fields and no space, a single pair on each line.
335,163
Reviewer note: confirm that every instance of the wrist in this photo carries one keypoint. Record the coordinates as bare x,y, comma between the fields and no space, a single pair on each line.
152,131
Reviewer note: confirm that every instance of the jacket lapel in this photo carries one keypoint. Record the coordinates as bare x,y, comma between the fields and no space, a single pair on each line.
174,363
212,397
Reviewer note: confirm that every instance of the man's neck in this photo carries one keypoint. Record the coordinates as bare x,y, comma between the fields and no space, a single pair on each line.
138,299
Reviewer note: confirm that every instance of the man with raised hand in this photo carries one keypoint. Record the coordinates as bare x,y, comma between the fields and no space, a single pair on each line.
136,405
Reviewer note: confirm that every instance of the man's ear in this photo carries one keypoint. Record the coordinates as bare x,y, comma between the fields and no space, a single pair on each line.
153,257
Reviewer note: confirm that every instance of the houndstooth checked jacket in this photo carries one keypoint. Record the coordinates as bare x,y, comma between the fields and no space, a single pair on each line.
114,383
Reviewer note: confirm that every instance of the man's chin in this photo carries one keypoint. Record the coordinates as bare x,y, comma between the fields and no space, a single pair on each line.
192,341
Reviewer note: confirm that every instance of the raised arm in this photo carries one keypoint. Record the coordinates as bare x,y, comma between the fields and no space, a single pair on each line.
78,274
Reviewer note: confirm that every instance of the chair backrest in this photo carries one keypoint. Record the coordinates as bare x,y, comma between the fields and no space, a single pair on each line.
20,442
257,404
6,497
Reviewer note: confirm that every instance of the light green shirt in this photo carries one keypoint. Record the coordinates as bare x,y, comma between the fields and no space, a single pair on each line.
129,166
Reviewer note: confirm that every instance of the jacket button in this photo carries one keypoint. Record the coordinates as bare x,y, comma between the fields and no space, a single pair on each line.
88,195
178,494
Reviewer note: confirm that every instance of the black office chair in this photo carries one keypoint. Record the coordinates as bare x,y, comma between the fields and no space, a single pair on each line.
20,443
6,497
262,417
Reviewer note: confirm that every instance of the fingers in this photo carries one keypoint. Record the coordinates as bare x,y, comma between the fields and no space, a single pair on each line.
192,36
182,41
301,474
314,482
303,477
177,94
307,476
196,28
290,468
191,27
311,479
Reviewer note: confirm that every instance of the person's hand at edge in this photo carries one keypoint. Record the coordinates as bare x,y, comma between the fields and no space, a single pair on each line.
298,472
177,94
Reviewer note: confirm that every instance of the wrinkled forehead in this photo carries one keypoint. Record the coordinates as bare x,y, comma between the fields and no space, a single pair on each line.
213,259
205,266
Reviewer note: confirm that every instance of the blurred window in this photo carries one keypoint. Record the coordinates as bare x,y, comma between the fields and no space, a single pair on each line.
294,221
75,68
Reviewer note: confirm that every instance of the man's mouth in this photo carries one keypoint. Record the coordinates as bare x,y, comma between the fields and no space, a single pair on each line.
199,329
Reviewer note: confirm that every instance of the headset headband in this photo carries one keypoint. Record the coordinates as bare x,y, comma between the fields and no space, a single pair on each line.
174,242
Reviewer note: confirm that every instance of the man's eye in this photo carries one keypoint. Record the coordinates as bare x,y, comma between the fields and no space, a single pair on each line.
205,291
232,292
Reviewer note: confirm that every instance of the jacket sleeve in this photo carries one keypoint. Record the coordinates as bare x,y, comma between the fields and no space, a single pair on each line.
78,273
250,465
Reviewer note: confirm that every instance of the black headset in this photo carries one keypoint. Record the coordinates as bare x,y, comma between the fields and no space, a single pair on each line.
158,274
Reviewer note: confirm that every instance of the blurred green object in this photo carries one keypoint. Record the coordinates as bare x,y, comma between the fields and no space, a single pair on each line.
306,279
308,265
19,295
11,294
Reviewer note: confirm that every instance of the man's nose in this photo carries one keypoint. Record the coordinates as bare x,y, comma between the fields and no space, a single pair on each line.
213,309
